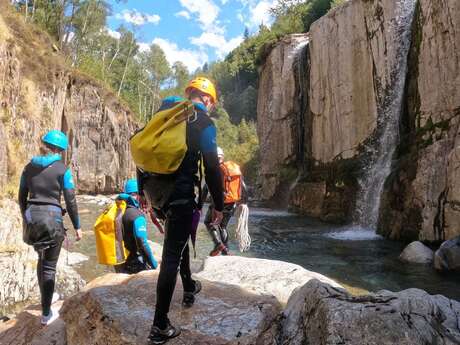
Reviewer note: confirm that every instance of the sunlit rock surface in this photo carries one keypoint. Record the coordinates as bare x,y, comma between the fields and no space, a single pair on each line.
266,277
118,309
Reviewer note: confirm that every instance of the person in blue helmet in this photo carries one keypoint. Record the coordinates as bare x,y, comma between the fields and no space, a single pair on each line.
140,256
44,180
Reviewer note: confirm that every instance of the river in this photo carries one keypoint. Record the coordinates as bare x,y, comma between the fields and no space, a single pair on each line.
359,260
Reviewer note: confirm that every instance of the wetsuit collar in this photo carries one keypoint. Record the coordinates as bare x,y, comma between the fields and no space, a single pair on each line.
129,199
200,106
47,160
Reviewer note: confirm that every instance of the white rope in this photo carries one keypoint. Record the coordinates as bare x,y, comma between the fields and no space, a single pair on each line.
242,230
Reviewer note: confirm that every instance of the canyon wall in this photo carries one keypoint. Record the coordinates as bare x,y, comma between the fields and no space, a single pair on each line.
422,196
39,92
321,113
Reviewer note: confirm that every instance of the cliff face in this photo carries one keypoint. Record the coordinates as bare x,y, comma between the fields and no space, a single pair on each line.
421,199
333,103
327,126
38,92
278,108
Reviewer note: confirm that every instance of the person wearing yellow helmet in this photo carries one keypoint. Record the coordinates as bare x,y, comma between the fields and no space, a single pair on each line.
181,207
202,89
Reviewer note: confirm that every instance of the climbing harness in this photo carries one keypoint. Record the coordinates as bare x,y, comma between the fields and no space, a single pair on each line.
242,229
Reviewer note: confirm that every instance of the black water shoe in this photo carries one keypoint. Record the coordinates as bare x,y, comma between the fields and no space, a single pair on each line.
189,297
160,336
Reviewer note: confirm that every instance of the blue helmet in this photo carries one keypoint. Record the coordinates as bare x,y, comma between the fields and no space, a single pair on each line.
131,186
57,139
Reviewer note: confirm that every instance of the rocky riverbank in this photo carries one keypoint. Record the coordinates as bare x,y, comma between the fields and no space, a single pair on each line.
118,309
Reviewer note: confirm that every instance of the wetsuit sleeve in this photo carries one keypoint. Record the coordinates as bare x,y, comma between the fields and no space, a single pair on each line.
68,188
140,233
204,195
212,173
23,194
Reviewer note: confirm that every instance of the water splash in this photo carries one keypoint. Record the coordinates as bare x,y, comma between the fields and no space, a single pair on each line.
390,100
354,233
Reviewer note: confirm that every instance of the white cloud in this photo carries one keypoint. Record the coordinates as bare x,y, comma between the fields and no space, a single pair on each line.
138,18
183,14
217,41
143,47
191,58
112,33
260,13
206,10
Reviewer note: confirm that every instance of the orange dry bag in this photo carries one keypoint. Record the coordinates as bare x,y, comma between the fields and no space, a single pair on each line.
231,174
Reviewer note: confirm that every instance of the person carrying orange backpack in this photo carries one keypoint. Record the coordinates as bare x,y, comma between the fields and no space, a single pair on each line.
235,192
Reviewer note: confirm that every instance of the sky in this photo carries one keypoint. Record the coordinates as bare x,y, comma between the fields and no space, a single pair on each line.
191,31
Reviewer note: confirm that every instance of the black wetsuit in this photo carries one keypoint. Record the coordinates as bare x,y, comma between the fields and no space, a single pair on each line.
43,181
180,207
135,239
219,235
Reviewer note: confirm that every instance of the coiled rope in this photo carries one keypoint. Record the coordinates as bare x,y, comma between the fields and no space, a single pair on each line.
242,230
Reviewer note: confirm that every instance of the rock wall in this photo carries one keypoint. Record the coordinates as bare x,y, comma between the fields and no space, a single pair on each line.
422,196
277,114
39,92
322,117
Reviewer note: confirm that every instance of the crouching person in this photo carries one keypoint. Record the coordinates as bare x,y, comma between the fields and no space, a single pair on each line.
134,225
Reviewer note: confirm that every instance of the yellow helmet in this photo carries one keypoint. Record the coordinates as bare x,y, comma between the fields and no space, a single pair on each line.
204,85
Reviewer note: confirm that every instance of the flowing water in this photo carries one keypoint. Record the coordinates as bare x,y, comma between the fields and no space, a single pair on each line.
390,99
360,264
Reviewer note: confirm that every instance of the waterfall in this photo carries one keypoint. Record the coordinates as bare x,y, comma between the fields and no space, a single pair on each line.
390,106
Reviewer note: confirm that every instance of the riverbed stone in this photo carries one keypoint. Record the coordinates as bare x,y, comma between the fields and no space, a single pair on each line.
118,309
447,257
416,252
261,276
324,315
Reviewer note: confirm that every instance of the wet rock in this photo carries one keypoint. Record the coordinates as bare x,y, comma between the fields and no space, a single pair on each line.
25,329
447,257
416,252
267,277
323,315
118,309
423,194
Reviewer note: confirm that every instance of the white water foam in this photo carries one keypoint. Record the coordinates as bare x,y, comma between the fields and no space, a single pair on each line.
354,233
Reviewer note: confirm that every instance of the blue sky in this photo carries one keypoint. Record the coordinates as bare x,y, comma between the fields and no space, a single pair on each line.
191,31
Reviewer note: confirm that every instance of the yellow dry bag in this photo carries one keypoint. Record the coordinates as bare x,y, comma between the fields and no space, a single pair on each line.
108,230
161,145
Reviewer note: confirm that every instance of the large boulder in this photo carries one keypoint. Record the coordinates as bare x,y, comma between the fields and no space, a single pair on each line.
447,257
320,314
118,309
417,253
261,276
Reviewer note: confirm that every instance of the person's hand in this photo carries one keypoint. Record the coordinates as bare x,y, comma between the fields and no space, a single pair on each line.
216,217
78,234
